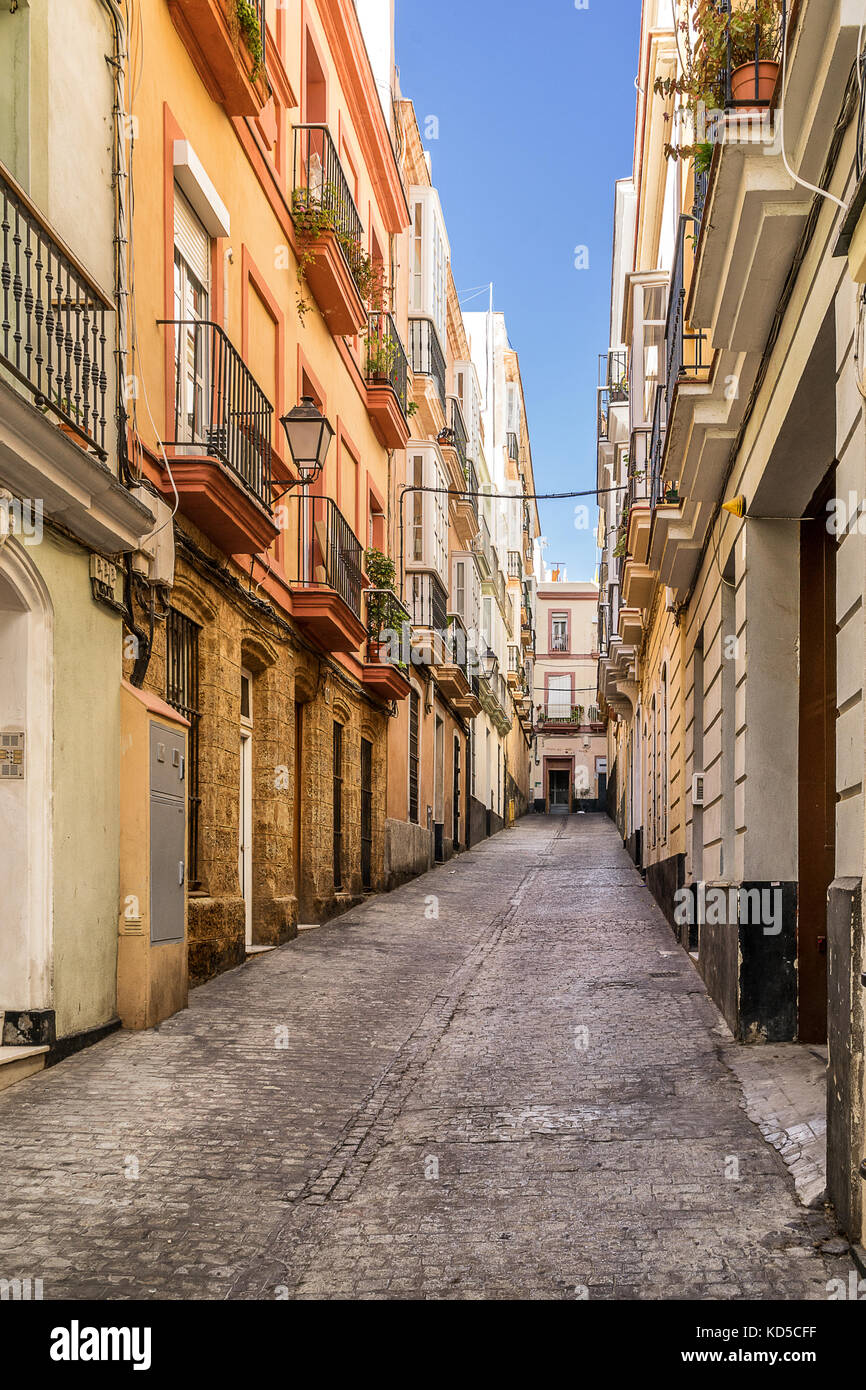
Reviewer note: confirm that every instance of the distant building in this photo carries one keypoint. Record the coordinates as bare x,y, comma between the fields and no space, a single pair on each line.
569,769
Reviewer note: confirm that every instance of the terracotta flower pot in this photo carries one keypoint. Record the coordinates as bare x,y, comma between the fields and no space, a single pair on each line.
743,82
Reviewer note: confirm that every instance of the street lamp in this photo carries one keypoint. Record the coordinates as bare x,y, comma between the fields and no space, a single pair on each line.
309,435
489,663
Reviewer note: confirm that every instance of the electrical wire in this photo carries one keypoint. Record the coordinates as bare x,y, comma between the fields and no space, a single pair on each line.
804,183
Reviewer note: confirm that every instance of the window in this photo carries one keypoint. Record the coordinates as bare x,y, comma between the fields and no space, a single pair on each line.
182,693
429,523
559,697
559,632
414,720
338,805
192,250
429,260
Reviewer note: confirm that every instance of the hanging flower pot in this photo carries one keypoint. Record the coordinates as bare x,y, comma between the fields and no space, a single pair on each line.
745,88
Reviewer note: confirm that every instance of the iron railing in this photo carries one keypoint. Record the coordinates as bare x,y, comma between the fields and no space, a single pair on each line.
459,439
513,446
639,470
471,477
53,328
426,354
388,620
457,644
427,600
329,553
702,180
219,406
684,352
747,46
657,446
386,359
321,200
613,375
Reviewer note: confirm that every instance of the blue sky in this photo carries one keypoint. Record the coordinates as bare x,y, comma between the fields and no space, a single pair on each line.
536,122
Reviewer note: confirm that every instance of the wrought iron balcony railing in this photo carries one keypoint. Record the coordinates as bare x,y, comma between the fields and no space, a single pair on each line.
321,200
613,375
426,353
428,600
387,623
459,438
748,45
471,477
513,445
328,552
457,645
684,352
386,359
219,407
657,446
53,326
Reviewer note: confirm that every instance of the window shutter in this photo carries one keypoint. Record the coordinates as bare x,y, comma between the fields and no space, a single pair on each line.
191,239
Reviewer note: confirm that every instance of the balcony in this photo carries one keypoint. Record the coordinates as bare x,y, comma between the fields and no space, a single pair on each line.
513,446
453,440
515,565
221,445
560,715
227,48
388,645
53,330
453,673
466,508
427,600
638,495
325,575
333,261
387,377
428,364
612,390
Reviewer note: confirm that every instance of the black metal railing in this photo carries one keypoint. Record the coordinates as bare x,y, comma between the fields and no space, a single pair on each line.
428,600
259,8
684,352
603,412
53,328
471,476
321,200
513,445
457,645
657,446
388,621
219,406
613,375
459,435
386,359
748,45
702,180
426,353
328,552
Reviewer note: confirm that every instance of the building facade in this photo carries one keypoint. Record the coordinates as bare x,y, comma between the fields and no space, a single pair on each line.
731,618
251,612
570,747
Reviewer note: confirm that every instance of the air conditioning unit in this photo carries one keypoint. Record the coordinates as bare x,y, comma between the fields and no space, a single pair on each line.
154,559
698,789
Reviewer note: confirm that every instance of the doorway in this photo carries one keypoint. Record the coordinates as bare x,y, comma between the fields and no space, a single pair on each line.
817,761
456,804
558,791
245,818
298,802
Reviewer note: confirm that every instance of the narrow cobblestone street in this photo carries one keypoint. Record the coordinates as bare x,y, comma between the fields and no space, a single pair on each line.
437,1122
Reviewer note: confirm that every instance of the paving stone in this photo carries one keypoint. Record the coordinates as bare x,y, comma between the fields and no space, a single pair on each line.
527,1097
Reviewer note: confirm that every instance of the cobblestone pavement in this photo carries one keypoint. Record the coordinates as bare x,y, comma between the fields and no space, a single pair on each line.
526,1097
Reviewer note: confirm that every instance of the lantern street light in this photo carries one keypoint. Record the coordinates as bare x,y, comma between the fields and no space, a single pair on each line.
309,435
489,664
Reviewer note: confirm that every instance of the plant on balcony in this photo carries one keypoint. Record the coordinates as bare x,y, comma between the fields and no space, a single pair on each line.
381,356
314,213
245,21
382,573
702,87
672,493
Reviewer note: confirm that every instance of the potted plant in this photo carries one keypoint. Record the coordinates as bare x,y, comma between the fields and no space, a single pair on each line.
672,493
382,573
702,86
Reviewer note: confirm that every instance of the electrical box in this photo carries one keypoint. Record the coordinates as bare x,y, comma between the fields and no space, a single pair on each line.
152,974
698,789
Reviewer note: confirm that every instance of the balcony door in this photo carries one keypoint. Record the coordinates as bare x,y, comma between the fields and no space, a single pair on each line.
559,697
192,257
